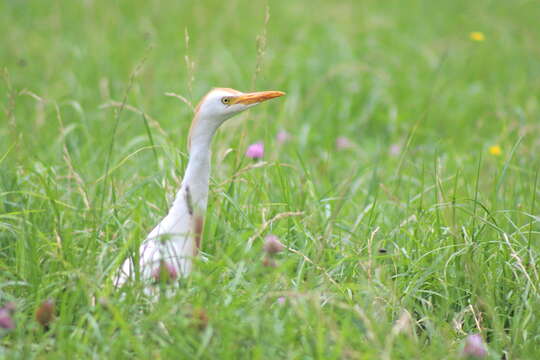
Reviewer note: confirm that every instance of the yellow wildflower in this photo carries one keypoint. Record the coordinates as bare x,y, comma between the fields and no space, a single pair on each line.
477,36
495,150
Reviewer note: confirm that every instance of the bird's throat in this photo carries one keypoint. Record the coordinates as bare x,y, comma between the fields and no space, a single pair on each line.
197,173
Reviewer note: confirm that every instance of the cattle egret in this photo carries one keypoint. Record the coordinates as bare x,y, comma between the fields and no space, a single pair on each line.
173,243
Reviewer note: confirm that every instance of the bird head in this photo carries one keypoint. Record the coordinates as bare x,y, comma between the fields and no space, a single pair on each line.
221,104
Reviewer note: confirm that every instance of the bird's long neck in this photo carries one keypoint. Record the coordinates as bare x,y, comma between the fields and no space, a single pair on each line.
197,175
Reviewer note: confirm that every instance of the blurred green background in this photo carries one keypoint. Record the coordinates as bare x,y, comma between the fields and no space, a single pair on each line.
426,93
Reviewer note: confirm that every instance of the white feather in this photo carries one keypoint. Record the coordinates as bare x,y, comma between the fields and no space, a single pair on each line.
173,240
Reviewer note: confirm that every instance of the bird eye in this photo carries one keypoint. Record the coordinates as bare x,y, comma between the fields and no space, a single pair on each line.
226,100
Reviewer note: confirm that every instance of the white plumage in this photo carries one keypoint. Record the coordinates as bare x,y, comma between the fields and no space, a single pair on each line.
171,245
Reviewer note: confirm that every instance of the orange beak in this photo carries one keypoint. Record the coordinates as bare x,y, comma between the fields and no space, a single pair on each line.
256,97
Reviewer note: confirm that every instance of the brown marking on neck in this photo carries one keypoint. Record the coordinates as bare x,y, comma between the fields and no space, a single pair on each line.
198,224
189,201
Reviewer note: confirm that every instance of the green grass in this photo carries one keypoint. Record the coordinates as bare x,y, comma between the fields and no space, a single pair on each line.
80,181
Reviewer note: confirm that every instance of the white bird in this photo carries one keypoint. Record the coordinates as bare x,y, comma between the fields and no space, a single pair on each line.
169,248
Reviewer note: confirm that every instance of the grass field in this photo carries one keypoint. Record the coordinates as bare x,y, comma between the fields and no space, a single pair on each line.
420,231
